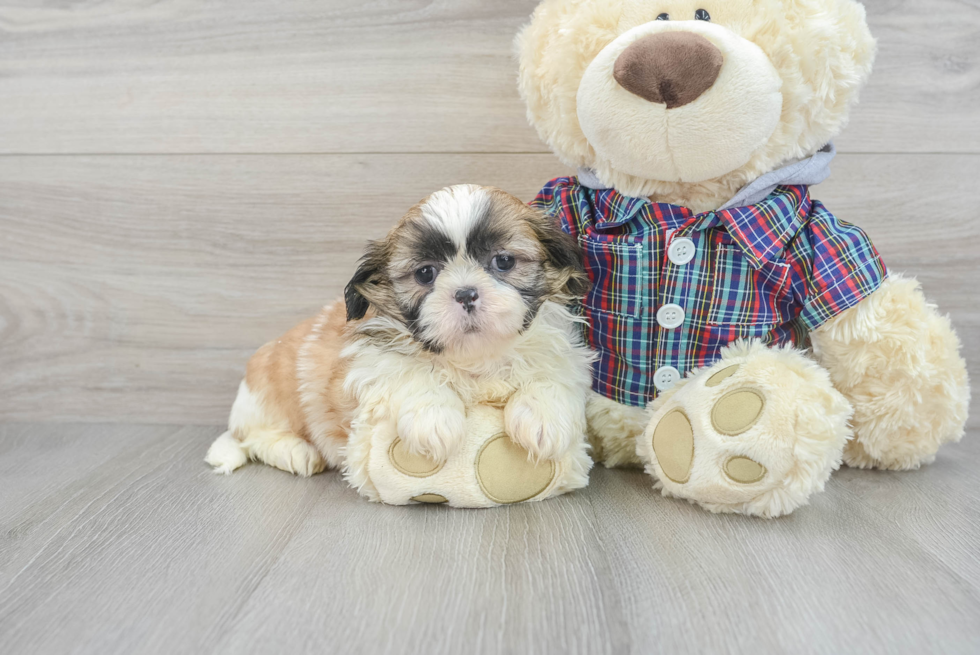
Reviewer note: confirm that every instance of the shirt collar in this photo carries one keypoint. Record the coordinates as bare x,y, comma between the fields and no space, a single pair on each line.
761,230
613,209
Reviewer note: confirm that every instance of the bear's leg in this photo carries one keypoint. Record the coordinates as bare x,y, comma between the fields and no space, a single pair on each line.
756,433
897,361
613,429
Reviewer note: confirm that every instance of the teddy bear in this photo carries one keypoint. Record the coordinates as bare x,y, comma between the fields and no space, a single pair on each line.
749,341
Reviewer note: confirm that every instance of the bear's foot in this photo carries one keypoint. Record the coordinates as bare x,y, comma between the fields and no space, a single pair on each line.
756,433
486,470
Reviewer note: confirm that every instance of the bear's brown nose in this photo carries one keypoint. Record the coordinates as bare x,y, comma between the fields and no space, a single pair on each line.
669,68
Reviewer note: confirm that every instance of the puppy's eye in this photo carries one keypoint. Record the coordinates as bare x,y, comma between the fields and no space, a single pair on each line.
663,17
503,263
425,275
702,14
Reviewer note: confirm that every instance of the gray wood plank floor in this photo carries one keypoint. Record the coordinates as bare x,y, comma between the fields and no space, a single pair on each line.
118,539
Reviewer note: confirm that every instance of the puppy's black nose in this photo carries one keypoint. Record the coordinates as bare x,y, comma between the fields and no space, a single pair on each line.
467,298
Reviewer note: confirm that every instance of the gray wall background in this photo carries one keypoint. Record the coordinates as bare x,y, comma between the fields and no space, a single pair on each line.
180,182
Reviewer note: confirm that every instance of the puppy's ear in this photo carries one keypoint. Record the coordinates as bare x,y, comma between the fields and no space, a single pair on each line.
366,281
563,256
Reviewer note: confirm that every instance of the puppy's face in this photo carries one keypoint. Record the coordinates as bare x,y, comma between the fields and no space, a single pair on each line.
467,269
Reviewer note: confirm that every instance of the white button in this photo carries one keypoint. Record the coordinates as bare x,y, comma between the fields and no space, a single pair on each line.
670,316
666,377
681,251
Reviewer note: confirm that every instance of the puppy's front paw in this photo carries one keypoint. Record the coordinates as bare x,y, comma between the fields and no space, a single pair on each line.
430,429
546,429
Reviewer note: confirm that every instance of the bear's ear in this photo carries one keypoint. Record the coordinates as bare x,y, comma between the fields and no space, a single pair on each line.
563,256
366,283
554,50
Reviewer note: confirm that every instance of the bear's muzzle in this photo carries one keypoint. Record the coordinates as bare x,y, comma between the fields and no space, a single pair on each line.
669,68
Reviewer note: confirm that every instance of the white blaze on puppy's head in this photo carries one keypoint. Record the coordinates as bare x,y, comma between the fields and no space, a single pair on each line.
467,270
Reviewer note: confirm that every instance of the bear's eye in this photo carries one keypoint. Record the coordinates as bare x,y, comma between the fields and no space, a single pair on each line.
663,17
701,14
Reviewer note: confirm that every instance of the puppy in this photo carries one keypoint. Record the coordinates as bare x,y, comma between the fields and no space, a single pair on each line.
463,302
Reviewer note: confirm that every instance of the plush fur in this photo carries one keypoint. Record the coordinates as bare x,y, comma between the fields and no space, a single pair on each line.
820,50
897,360
613,429
680,130
715,133
407,345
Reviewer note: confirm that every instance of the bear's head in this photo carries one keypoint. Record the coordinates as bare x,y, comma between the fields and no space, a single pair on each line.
687,101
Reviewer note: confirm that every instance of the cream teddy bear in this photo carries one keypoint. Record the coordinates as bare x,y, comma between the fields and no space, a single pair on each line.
768,334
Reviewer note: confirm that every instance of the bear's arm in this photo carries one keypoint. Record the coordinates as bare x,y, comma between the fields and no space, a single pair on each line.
890,352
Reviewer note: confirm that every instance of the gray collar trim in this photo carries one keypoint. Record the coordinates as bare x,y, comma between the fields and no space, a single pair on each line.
812,170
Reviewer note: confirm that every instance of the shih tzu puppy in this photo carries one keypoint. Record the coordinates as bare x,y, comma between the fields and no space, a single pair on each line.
463,302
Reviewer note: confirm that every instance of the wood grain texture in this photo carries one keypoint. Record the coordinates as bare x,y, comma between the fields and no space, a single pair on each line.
143,549
139,286
137,76
134,288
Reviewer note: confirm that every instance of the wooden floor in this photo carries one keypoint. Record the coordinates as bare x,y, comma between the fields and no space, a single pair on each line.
118,539
182,180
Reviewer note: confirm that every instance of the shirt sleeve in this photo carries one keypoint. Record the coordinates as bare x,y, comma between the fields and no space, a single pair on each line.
845,268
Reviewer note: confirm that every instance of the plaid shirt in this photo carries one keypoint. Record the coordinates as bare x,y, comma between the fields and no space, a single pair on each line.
772,271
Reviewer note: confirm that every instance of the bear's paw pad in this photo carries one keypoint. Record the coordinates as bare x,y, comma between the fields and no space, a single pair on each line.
744,470
737,411
431,499
673,442
412,464
721,376
507,476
